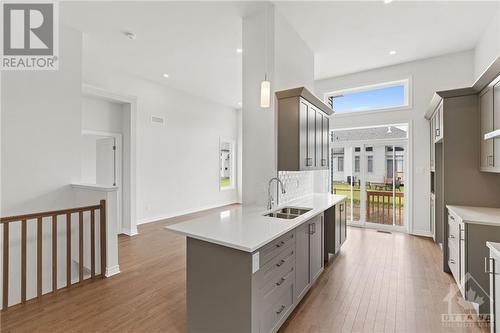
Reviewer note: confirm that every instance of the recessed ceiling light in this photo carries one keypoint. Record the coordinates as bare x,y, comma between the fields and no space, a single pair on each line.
165,76
392,52
387,1
239,50
130,35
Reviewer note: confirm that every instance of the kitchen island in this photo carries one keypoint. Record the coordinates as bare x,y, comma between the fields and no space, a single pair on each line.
246,272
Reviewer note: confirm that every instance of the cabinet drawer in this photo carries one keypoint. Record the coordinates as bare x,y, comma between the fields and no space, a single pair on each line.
276,266
454,259
272,289
272,315
274,248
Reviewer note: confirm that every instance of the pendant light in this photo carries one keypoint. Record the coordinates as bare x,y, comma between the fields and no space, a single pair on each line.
265,86
265,93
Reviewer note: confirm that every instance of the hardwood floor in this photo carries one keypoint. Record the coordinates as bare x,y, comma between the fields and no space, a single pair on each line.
378,283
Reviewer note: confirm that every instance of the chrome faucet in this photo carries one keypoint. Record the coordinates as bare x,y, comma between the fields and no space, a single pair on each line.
270,199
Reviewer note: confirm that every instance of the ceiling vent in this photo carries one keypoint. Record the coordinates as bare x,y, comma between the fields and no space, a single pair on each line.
157,120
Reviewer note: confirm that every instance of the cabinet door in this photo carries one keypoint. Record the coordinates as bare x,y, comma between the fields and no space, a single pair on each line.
343,223
486,111
438,118
303,135
311,137
496,125
319,140
316,246
338,221
326,140
302,272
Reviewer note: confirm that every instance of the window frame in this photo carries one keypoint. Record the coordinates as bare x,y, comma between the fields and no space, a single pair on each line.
407,84
369,158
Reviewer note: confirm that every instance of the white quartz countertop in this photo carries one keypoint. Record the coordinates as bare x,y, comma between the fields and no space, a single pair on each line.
246,228
477,215
494,247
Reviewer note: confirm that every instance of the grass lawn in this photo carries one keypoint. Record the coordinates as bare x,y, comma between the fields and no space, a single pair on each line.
225,182
345,189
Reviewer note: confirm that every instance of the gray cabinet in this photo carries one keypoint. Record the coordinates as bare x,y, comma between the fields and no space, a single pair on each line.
309,255
303,131
340,226
437,120
493,269
486,97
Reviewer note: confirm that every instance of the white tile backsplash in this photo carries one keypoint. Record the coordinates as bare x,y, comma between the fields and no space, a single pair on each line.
297,184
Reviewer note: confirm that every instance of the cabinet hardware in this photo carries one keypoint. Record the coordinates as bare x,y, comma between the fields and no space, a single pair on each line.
491,160
323,162
451,217
281,309
437,131
281,262
280,282
489,262
452,261
452,236
309,161
280,244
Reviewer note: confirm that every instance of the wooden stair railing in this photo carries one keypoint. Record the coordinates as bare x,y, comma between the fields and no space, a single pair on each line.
38,217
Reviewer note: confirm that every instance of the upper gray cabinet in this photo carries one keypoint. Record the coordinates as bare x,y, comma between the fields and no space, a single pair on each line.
489,106
303,131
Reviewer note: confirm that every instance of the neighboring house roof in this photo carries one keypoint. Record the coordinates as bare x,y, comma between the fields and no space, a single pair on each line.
372,133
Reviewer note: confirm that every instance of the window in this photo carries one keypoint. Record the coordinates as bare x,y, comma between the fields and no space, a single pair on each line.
226,174
340,163
389,95
356,163
369,164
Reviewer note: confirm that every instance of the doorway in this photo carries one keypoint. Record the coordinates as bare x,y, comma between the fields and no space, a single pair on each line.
374,175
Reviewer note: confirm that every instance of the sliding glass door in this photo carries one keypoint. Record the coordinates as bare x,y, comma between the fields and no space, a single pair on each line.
374,178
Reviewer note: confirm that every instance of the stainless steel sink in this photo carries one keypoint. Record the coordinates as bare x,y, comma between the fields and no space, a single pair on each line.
288,213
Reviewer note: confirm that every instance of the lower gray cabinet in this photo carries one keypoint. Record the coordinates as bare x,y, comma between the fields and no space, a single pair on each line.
340,225
493,269
309,254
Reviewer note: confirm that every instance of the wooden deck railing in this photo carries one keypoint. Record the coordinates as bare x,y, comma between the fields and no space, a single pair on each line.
385,214
38,217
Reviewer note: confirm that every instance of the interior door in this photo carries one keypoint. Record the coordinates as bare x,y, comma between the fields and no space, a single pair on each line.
106,162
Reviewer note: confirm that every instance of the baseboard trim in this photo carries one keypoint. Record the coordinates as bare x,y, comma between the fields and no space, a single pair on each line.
421,233
130,232
110,271
183,212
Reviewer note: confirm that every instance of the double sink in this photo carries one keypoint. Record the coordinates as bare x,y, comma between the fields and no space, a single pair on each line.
288,213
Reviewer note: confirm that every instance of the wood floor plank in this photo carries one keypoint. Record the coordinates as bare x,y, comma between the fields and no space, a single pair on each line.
377,283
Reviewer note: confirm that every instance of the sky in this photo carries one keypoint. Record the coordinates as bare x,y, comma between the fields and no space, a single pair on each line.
384,97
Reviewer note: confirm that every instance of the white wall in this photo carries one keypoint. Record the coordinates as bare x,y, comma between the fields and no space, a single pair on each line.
289,63
428,76
487,48
101,115
40,137
177,164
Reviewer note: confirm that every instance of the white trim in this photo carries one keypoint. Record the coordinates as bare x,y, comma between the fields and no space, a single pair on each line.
130,232
408,97
421,233
183,212
110,271
93,91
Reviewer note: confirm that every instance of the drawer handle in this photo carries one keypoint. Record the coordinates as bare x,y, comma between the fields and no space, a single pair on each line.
281,309
309,161
452,236
451,217
280,282
280,244
281,262
452,261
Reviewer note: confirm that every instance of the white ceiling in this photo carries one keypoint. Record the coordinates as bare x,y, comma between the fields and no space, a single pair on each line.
352,36
194,42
